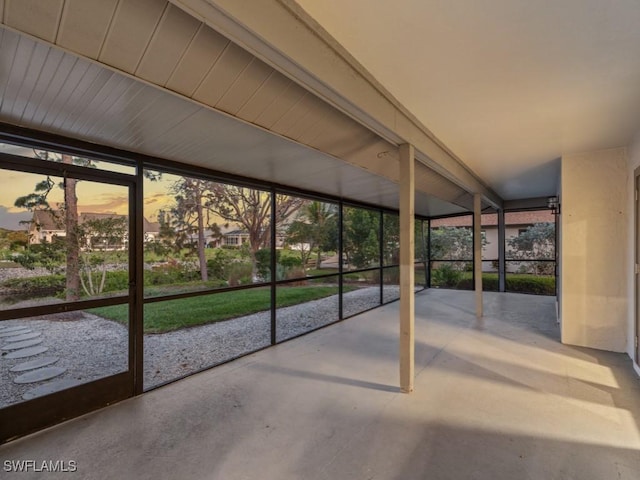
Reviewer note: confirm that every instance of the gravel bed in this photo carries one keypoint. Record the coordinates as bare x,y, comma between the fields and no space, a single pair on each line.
20,272
91,347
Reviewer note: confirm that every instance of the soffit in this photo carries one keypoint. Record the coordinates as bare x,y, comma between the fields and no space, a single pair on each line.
508,85
157,84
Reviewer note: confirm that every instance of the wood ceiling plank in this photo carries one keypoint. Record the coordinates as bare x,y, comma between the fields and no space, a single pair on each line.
99,105
38,59
223,74
11,45
84,25
130,32
95,80
201,54
245,87
295,114
314,111
170,40
280,105
35,17
50,100
64,98
273,87
41,83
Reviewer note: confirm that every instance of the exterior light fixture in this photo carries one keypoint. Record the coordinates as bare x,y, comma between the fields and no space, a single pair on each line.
554,205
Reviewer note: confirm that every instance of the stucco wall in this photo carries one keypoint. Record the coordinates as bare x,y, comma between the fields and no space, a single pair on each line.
594,311
634,162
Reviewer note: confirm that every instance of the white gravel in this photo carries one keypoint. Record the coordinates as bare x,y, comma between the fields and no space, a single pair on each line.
91,347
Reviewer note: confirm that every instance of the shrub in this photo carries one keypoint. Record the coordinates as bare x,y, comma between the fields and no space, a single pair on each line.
217,264
116,281
290,261
515,283
238,273
37,286
171,272
263,262
446,276
531,284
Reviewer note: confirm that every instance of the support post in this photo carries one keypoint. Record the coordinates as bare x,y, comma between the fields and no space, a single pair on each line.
407,280
477,251
502,264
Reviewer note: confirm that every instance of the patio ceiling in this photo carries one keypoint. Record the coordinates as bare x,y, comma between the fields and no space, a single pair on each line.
183,92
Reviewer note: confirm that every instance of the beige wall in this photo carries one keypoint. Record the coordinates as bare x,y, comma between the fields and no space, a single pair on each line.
634,162
594,311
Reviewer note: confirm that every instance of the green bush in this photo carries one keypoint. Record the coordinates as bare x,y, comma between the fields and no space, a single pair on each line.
515,283
290,261
537,285
43,285
217,264
116,281
263,262
446,276
170,273
238,273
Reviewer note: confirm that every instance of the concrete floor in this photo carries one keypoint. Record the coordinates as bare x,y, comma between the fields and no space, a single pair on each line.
503,402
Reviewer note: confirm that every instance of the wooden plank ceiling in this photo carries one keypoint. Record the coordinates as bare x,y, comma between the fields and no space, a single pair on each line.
144,76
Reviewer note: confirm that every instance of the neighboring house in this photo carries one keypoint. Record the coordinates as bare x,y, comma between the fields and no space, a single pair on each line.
515,224
237,238
48,225
151,230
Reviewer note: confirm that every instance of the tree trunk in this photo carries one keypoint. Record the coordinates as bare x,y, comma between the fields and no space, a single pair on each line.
71,226
201,257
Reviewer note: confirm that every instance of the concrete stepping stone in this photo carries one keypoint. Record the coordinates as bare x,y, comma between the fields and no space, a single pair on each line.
32,364
40,375
22,337
25,344
14,328
11,333
25,352
50,387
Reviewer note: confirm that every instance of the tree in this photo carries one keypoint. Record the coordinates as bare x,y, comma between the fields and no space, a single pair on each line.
67,216
251,210
452,243
536,243
191,215
316,228
103,240
360,241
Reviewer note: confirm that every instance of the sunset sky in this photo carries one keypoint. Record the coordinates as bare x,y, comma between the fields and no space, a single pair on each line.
92,197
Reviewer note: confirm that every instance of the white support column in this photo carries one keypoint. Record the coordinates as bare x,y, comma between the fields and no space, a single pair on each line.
407,256
477,251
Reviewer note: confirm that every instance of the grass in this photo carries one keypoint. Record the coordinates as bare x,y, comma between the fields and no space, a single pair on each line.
162,317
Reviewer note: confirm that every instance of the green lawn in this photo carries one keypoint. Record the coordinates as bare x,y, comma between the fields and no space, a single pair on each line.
161,317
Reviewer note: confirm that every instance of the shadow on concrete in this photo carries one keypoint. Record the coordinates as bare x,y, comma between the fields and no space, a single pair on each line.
323,377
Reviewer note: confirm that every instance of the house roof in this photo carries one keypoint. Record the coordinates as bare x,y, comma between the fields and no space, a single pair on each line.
491,219
53,220
47,220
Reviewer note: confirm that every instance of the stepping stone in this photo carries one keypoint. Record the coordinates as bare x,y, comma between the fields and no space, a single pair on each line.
50,387
22,337
26,352
14,328
11,333
37,363
25,344
40,375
